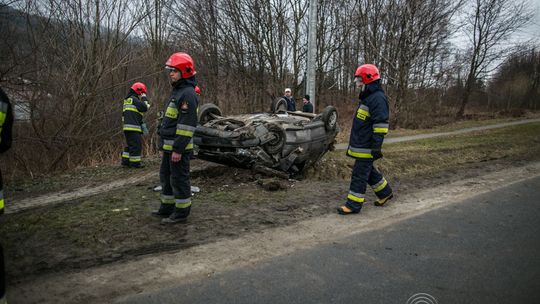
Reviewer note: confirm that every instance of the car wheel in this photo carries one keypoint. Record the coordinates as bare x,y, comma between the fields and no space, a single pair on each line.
279,106
275,145
208,112
330,118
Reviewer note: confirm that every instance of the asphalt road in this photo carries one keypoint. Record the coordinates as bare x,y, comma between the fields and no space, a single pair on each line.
482,250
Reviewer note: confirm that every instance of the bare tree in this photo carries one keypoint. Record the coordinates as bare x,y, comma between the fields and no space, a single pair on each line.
489,25
76,55
404,38
516,84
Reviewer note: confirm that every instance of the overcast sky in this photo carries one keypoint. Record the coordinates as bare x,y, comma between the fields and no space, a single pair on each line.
533,30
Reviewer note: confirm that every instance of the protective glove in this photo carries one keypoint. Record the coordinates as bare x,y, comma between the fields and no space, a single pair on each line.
376,153
144,129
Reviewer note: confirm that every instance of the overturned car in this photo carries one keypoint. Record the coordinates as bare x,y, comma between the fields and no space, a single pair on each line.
280,140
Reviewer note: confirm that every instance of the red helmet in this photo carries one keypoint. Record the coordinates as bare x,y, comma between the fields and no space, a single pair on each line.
183,63
197,90
368,72
139,88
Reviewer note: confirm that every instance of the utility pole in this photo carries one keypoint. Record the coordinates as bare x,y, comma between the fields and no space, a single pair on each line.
312,52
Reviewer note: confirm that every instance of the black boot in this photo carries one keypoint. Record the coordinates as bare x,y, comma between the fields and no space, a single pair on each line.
136,165
179,215
165,210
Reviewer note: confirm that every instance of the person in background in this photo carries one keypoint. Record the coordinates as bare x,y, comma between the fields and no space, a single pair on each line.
308,106
135,105
291,105
370,125
6,125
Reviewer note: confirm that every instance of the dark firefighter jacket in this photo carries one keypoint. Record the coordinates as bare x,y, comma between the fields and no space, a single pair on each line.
180,118
6,125
370,122
132,112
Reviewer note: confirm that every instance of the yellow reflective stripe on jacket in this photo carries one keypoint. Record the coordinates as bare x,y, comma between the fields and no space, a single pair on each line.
359,153
380,185
356,197
172,111
184,133
185,130
168,144
380,128
128,127
131,108
362,112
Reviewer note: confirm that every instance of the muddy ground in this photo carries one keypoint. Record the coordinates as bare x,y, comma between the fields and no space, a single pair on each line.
116,226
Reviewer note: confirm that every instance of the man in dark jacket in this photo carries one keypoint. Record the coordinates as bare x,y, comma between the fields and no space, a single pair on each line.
308,106
6,124
291,105
176,133
135,105
370,125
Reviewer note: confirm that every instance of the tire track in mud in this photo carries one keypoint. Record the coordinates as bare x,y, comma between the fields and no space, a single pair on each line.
58,197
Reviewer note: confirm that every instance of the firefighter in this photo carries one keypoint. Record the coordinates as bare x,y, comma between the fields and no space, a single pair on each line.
135,105
176,140
370,125
6,124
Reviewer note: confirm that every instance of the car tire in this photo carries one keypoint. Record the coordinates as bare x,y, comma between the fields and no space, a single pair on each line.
206,112
330,118
275,146
279,106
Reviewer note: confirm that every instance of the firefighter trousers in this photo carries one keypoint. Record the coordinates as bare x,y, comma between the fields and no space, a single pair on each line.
132,152
175,183
364,173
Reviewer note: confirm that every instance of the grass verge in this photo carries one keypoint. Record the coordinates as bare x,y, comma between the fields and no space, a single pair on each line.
428,157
